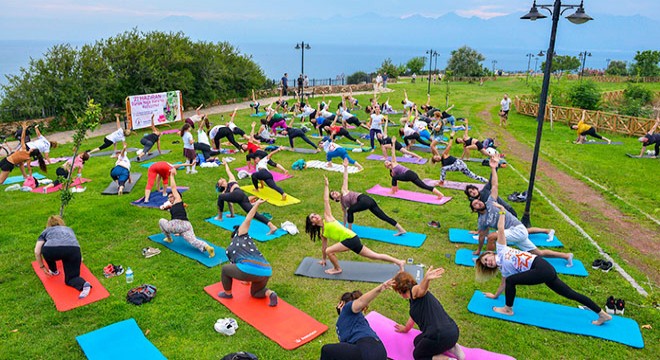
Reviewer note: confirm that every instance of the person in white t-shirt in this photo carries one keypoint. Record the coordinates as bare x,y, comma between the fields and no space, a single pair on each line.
189,148
407,105
523,268
505,106
121,173
262,174
375,124
112,139
42,144
198,117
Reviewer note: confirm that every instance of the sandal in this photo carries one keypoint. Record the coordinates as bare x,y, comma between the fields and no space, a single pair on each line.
434,224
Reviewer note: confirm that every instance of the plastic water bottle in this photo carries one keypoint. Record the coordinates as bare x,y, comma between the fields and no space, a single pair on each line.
129,275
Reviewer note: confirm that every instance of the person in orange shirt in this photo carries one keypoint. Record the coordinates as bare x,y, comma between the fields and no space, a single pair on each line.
19,157
584,129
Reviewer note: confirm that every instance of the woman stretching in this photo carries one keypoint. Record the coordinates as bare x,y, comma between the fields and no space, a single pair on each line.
523,268
157,172
149,140
231,193
122,171
583,130
439,331
20,156
470,144
328,228
179,224
334,150
293,133
386,144
68,167
255,104
42,144
450,163
222,131
334,131
651,138
247,263
352,202
356,338
203,145
112,139
401,173
263,175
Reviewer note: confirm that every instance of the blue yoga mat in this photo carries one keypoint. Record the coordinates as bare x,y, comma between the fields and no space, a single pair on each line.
181,246
568,319
156,199
146,165
464,236
464,257
18,179
258,230
122,340
385,235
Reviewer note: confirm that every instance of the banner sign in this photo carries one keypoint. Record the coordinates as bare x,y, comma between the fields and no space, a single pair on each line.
166,106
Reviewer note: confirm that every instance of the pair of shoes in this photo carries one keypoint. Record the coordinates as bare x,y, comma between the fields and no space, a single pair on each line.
434,224
613,307
513,196
606,266
150,252
112,270
193,171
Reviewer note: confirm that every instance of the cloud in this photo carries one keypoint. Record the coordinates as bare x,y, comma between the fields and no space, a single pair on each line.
483,12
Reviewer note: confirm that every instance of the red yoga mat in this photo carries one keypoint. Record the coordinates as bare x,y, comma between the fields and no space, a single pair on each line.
66,297
284,324
76,182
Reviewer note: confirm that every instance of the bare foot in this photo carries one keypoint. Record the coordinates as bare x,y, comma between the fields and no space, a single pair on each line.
569,261
272,231
333,271
457,352
284,197
505,310
401,232
602,318
168,239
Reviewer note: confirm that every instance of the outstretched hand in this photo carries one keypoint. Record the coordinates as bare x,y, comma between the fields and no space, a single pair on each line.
400,328
494,161
259,201
345,162
432,273
327,183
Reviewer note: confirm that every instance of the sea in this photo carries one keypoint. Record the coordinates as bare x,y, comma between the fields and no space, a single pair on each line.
328,61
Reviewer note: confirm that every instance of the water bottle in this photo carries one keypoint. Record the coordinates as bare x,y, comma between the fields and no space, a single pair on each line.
129,275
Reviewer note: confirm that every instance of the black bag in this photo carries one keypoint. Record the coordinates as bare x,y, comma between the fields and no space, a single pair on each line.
241,355
141,294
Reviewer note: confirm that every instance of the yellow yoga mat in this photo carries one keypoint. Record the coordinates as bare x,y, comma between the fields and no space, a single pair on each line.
270,195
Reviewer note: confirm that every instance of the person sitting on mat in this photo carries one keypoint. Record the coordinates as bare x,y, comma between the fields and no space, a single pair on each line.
651,138
68,166
157,172
42,144
328,228
179,223
261,174
232,193
450,163
352,202
247,263
293,133
357,340
112,139
334,150
399,172
19,157
386,145
149,140
121,172
58,242
470,144
439,331
583,129
524,268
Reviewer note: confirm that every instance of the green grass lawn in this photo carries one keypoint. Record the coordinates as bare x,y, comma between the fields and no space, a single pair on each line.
181,317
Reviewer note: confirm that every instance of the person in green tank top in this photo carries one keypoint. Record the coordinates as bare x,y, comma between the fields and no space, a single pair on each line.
327,228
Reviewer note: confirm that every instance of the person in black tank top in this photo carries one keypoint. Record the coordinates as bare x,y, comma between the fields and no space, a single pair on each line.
149,140
470,143
450,163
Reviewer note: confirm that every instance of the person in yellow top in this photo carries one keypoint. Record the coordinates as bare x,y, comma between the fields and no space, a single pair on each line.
327,227
19,157
584,129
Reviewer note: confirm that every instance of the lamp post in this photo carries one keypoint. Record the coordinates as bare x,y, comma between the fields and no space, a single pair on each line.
302,46
431,53
579,17
529,62
435,67
536,60
583,57
607,65
493,63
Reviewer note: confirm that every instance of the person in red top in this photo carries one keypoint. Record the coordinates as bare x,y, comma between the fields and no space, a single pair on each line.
158,171
335,131
19,157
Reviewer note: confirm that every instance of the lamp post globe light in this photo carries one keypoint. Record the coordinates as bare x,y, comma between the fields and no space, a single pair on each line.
431,53
302,46
493,63
579,17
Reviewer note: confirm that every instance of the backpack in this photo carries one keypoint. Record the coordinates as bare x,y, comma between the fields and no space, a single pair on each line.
299,164
141,294
241,355
31,182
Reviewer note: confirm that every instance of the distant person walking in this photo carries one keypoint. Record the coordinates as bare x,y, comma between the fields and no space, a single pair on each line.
505,106
285,84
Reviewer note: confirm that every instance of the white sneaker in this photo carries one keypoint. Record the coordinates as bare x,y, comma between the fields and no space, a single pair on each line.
551,235
193,171
78,189
139,152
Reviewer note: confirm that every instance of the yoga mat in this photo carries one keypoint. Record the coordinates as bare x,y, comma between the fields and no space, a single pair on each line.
353,146
568,319
464,236
376,272
147,165
156,199
400,346
147,157
110,153
286,325
277,176
454,185
480,160
171,131
425,148
121,340
602,143
181,246
258,230
66,297
464,257
316,164
113,187
304,150
645,156
400,159
270,195
386,235
426,198
258,114
53,160
77,181
18,179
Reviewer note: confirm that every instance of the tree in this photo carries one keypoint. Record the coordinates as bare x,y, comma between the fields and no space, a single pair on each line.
617,68
357,77
563,63
416,64
584,95
466,61
646,63
388,67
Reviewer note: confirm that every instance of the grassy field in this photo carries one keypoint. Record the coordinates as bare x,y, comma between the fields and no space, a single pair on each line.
180,319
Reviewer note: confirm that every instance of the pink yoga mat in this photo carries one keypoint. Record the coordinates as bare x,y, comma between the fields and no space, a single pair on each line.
171,131
277,176
427,198
401,159
76,182
54,160
399,346
455,185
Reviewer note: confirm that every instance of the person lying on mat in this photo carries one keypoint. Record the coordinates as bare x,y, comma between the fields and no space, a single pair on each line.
472,192
247,263
651,138
357,340
121,172
19,157
352,202
293,133
112,139
263,134
524,268
439,331
231,193
450,163
157,172
179,223
583,129
386,144
149,140
42,144
470,143
328,228
262,174
333,150
399,172
68,167
58,242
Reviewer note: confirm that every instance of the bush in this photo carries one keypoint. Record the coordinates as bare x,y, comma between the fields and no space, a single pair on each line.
357,77
584,95
638,93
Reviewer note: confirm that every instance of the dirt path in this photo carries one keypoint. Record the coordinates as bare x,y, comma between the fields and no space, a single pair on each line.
591,206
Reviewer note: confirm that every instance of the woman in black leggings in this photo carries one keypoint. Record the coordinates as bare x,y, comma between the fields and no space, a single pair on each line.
225,132
264,176
352,202
293,133
335,131
522,268
231,193
402,173
409,134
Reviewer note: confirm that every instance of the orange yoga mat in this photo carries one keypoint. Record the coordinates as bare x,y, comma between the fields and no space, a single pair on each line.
66,297
284,324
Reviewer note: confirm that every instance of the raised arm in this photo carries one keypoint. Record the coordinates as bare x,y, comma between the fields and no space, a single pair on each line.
449,108
24,125
434,150
393,160
123,151
465,133
245,225
327,210
405,94
230,175
254,99
232,116
344,185
118,122
175,191
153,125
422,288
363,301
494,162
655,126
269,156
199,108
428,99
501,237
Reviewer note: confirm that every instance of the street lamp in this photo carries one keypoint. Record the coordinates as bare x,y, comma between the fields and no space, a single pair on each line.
536,60
583,56
431,53
493,63
435,67
579,17
302,46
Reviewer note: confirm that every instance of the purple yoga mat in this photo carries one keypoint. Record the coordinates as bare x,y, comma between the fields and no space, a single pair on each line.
54,160
409,195
171,131
401,159
455,185
277,176
399,346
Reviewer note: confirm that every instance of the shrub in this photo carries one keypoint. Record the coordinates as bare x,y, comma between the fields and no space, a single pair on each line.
357,77
584,95
638,93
